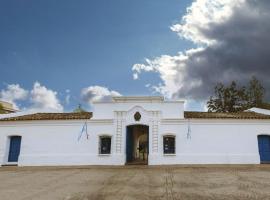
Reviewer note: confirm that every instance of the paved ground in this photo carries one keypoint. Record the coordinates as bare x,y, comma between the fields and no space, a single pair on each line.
136,182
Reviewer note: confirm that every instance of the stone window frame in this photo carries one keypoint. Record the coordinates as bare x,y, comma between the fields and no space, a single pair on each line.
163,144
100,137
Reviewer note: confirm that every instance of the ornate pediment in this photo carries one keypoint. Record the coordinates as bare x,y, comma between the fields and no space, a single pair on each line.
137,116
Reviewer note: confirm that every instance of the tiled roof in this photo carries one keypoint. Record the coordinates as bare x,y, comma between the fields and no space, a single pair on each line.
50,116
88,115
214,115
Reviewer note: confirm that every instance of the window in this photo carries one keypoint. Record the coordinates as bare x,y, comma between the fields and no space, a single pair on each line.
105,145
169,144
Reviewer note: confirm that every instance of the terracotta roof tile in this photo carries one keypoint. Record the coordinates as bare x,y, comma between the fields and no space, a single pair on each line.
50,116
88,115
214,115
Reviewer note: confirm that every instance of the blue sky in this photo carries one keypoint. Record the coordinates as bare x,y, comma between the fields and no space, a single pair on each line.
57,54
69,44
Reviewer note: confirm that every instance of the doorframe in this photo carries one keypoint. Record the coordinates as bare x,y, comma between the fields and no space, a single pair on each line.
148,141
263,134
7,150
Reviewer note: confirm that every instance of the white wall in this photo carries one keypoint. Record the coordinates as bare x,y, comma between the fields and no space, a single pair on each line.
169,109
213,141
56,143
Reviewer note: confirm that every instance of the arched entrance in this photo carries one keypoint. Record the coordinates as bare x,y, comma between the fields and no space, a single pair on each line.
137,144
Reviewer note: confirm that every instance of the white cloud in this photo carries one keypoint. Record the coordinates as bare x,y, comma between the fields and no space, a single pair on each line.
44,99
13,93
97,93
232,43
171,70
143,67
193,105
67,98
135,76
201,15
147,85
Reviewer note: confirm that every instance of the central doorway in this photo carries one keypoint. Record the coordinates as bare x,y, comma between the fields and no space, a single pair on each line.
137,144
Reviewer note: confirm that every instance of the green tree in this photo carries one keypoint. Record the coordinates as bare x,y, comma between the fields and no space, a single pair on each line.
79,109
233,98
255,93
1,109
227,99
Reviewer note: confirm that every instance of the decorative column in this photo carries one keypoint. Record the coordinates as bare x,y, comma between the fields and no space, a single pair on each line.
155,132
119,130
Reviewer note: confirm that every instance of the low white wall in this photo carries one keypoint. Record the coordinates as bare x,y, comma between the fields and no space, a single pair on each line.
212,142
56,143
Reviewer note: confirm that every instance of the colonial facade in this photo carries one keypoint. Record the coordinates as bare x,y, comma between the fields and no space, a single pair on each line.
135,130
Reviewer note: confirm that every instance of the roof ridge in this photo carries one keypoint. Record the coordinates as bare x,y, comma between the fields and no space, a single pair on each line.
50,116
225,115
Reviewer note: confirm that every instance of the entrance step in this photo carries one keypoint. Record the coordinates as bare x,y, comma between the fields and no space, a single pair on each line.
137,162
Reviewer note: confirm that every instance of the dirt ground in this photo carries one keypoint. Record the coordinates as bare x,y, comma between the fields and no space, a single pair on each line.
136,182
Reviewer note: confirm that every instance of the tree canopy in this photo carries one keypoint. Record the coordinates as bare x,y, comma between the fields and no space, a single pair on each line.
1,109
235,98
79,109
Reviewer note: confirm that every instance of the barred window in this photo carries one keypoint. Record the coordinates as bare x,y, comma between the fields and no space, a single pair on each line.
105,145
169,144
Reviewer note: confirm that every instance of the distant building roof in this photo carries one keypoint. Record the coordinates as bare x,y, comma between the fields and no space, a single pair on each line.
214,115
50,116
259,110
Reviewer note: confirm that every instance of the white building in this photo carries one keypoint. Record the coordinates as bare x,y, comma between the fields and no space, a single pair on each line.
141,130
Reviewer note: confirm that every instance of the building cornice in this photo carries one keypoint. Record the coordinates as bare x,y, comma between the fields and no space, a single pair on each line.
176,121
